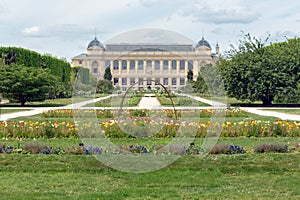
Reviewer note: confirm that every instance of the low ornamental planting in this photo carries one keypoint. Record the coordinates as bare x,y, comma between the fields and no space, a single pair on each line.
144,127
81,149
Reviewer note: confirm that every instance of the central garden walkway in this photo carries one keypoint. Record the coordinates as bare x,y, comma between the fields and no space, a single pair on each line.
149,102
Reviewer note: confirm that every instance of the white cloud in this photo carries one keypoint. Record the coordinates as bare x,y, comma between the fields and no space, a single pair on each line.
217,15
34,30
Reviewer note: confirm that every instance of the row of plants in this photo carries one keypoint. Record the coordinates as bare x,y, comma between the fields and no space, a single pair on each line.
143,127
81,149
202,113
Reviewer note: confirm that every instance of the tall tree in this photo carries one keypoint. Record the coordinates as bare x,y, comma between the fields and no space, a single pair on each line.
190,75
107,74
25,84
259,72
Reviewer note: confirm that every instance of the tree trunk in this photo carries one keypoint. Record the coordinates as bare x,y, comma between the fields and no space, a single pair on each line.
267,102
23,102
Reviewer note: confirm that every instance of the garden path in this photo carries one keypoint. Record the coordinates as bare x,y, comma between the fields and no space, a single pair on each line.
254,110
149,102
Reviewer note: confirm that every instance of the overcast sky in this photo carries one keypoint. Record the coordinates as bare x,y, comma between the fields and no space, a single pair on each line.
65,27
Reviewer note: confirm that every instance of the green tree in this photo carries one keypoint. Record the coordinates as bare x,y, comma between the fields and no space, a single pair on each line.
104,86
190,75
107,74
259,72
25,84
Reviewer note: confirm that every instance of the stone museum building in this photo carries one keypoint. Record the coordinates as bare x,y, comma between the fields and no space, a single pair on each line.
146,64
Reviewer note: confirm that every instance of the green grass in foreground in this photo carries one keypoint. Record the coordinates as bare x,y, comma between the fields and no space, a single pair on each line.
249,176
7,111
117,102
287,111
180,101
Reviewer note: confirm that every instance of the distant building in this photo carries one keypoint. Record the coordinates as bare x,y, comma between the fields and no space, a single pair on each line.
142,63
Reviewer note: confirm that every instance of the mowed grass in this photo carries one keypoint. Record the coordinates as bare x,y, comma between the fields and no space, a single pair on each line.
249,176
7,111
287,111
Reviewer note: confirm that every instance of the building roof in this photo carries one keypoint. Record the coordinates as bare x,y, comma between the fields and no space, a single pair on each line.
203,42
83,55
95,42
149,47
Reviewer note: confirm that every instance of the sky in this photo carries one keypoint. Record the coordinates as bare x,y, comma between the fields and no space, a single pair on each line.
64,28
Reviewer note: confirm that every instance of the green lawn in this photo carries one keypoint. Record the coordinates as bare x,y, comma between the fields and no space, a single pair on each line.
179,101
6,111
287,111
129,101
248,176
53,102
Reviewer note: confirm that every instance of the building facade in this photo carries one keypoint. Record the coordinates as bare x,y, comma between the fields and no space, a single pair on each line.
146,65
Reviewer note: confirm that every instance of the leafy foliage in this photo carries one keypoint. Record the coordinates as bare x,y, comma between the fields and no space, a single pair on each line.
259,72
107,74
26,83
104,86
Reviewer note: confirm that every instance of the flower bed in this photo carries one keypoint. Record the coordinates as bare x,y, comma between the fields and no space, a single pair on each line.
146,127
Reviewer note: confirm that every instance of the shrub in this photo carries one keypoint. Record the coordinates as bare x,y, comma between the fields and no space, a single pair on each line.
35,147
271,148
226,149
220,149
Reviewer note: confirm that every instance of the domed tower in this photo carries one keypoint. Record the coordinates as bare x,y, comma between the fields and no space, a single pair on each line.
203,48
95,47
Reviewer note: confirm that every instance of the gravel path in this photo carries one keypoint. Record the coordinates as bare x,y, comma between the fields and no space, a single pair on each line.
149,102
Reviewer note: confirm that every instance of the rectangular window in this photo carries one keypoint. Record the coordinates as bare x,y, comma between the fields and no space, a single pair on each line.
166,81
116,81
132,65
157,81
173,81
124,64
157,65
190,64
149,63
80,62
141,81
182,65
182,81
174,65
166,64
116,64
132,81
107,63
148,81
124,81
95,70
141,65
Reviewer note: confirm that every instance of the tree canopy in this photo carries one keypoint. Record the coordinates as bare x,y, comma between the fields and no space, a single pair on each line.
259,72
25,84
107,74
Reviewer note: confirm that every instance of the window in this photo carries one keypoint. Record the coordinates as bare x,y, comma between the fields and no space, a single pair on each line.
157,65
132,81
80,62
124,81
116,64
141,65
149,63
166,81
190,64
166,64
182,65
141,81
157,81
174,65
132,65
95,70
182,81
124,64
173,81
95,67
148,81
116,81
107,63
